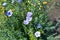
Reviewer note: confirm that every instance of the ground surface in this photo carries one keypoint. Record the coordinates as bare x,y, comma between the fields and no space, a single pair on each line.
55,12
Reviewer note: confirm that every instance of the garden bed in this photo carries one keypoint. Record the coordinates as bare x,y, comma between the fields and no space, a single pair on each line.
29,20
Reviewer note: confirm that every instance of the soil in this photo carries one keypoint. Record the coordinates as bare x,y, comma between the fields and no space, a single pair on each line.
55,11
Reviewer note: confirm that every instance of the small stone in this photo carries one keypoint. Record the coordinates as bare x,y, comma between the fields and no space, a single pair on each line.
12,1
4,4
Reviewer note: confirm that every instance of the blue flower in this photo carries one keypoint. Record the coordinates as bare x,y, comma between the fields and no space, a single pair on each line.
9,13
29,18
38,26
26,22
29,14
19,0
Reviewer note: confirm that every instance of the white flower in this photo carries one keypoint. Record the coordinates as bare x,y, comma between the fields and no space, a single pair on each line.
37,34
4,4
26,22
9,13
